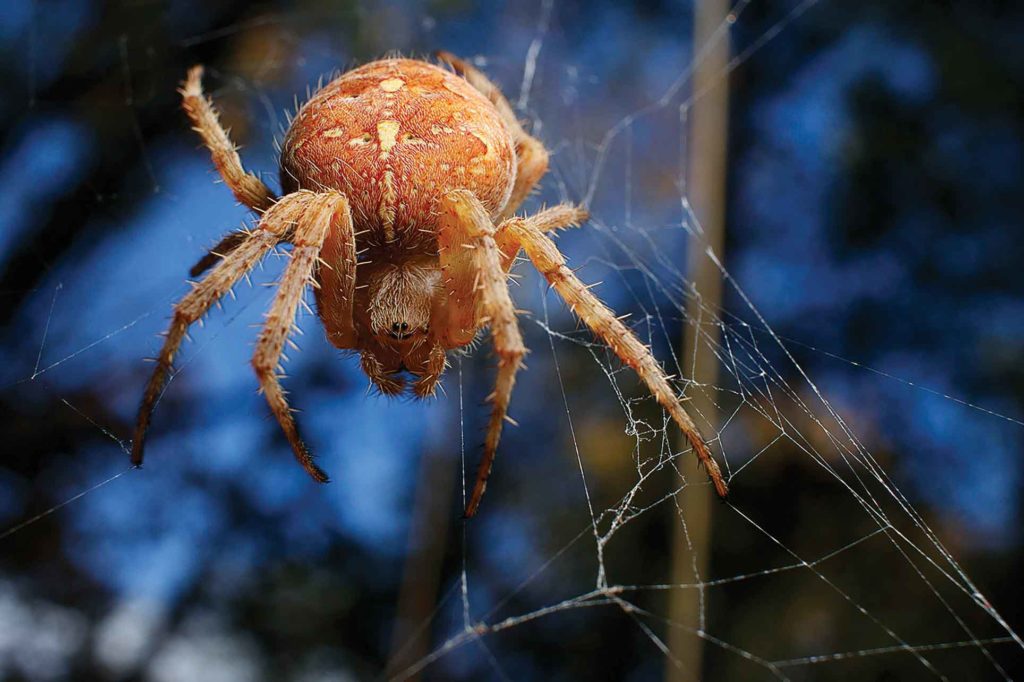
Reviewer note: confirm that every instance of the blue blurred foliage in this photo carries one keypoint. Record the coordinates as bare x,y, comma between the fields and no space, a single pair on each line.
790,264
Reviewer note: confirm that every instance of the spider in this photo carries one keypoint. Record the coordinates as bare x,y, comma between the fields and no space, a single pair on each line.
401,181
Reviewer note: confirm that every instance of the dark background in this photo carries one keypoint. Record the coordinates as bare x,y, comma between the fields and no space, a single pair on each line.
874,220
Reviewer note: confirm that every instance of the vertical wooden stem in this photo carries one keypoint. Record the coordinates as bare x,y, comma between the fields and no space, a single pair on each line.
691,523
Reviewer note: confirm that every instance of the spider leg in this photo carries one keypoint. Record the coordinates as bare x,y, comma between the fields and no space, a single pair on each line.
273,227
550,219
225,246
532,157
326,211
471,267
602,321
247,188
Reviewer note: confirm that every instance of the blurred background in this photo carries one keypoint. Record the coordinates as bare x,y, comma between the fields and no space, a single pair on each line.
854,166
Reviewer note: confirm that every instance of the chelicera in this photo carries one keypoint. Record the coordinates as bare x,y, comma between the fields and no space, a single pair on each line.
400,181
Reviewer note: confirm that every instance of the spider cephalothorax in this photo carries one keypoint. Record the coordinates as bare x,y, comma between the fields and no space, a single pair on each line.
395,137
401,180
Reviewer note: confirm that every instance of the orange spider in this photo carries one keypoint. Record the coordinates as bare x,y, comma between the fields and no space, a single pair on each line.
401,180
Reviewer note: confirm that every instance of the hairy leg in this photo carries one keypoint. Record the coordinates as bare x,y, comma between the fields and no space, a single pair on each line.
602,321
550,219
324,212
225,246
472,272
274,225
532,157
531,166
247,188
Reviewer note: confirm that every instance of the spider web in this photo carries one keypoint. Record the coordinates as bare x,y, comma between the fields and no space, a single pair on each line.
865,581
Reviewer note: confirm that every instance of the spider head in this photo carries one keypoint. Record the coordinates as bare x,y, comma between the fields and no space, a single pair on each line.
397,301
392,314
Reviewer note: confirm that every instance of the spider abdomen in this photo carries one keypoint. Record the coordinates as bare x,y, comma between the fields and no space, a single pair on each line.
394,136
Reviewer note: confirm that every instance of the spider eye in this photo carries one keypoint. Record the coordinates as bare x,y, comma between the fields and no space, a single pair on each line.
403,330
